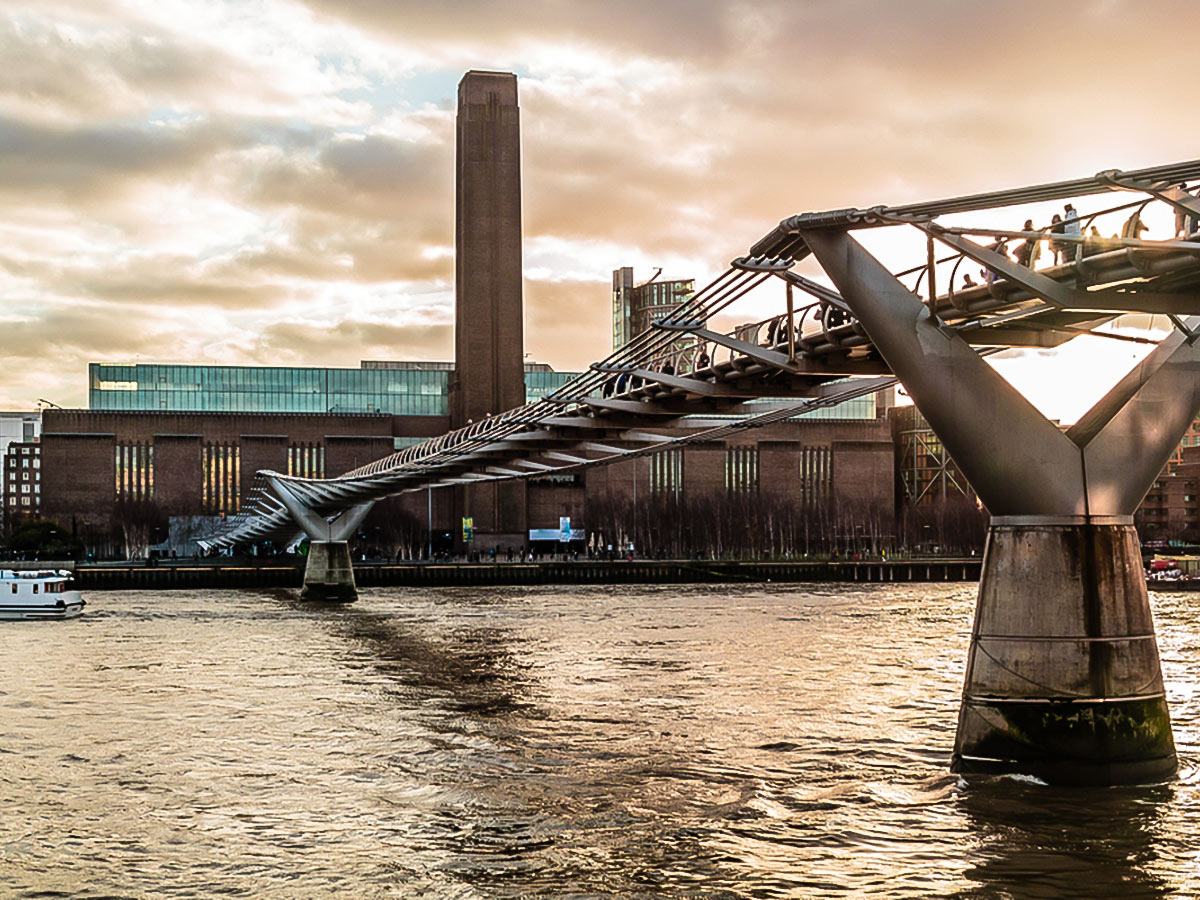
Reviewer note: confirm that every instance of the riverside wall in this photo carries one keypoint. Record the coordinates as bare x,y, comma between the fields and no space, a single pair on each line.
233,575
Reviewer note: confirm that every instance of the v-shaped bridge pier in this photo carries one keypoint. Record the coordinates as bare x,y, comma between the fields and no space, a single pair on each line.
1063,678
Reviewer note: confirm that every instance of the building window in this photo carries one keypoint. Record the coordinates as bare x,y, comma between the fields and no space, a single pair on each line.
306,460
666,472
221,491
134,472
816,476
741,470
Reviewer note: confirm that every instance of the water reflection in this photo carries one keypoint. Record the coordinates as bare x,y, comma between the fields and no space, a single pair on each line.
1034,842
472,669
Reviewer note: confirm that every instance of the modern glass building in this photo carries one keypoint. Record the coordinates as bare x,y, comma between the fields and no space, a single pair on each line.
635,306
396,388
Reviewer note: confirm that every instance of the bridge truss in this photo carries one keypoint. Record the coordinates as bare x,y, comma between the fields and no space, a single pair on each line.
812,353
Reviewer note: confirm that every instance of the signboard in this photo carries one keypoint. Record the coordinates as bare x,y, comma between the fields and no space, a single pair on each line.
468,529
553,534
564,529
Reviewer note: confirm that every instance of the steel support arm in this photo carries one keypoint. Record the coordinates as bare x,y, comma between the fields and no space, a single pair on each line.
316,526
1132,432
1018,462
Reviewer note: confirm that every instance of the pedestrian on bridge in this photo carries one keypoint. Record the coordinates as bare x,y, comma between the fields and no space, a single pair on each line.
1027,251
1058,248
1071,229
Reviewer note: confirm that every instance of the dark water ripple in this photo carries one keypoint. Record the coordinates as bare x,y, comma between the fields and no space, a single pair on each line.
749,742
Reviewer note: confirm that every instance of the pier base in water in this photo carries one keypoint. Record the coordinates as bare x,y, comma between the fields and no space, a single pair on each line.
1063,680
328,574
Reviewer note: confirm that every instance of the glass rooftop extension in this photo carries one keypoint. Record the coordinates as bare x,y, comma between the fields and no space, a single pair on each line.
400,388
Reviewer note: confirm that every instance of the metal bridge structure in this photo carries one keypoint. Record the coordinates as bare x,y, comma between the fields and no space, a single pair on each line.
1063,678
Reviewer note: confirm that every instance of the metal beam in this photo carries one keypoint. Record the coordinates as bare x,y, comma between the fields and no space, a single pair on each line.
640,407
564,457
343,527
1136,301
1037,284
679,382
753,351
593,447
645,437
530,464
1130,434
1018,462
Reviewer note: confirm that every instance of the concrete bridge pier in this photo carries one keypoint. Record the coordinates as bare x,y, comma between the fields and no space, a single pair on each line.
328,571
1063,679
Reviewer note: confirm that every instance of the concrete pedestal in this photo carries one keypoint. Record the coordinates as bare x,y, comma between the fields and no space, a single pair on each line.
329,575
1063,679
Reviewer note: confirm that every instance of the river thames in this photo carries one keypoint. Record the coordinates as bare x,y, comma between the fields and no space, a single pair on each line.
696,741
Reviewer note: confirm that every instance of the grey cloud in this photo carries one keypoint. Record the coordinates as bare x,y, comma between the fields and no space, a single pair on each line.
149,281
377,179
99,161
64,331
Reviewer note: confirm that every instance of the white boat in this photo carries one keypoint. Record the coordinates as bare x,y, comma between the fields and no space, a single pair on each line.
38,594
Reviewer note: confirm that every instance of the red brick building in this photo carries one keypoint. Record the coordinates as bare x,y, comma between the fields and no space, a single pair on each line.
105,475
1171,510
99,469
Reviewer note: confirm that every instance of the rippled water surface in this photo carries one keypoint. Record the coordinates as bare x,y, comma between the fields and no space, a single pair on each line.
749,741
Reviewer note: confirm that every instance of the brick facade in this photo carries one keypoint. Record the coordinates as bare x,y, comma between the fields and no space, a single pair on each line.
193,464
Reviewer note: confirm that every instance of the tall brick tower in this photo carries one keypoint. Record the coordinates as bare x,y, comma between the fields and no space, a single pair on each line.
489,375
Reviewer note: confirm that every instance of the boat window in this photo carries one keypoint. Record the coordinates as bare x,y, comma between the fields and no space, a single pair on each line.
35,587
14,588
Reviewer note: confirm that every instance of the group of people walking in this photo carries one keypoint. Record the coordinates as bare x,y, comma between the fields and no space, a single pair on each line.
1072,243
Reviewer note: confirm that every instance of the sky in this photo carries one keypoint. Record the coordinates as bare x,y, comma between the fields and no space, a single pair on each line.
270,182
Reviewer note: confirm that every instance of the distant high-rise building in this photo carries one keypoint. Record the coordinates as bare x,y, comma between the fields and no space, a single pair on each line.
636,306
21,490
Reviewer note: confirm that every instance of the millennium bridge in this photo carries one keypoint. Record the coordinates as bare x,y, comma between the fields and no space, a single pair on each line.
1063,678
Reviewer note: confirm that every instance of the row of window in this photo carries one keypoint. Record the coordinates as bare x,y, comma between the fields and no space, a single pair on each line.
395,391
54,587
148,400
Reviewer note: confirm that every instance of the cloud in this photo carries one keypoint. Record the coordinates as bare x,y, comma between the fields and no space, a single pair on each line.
274,181
348,342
